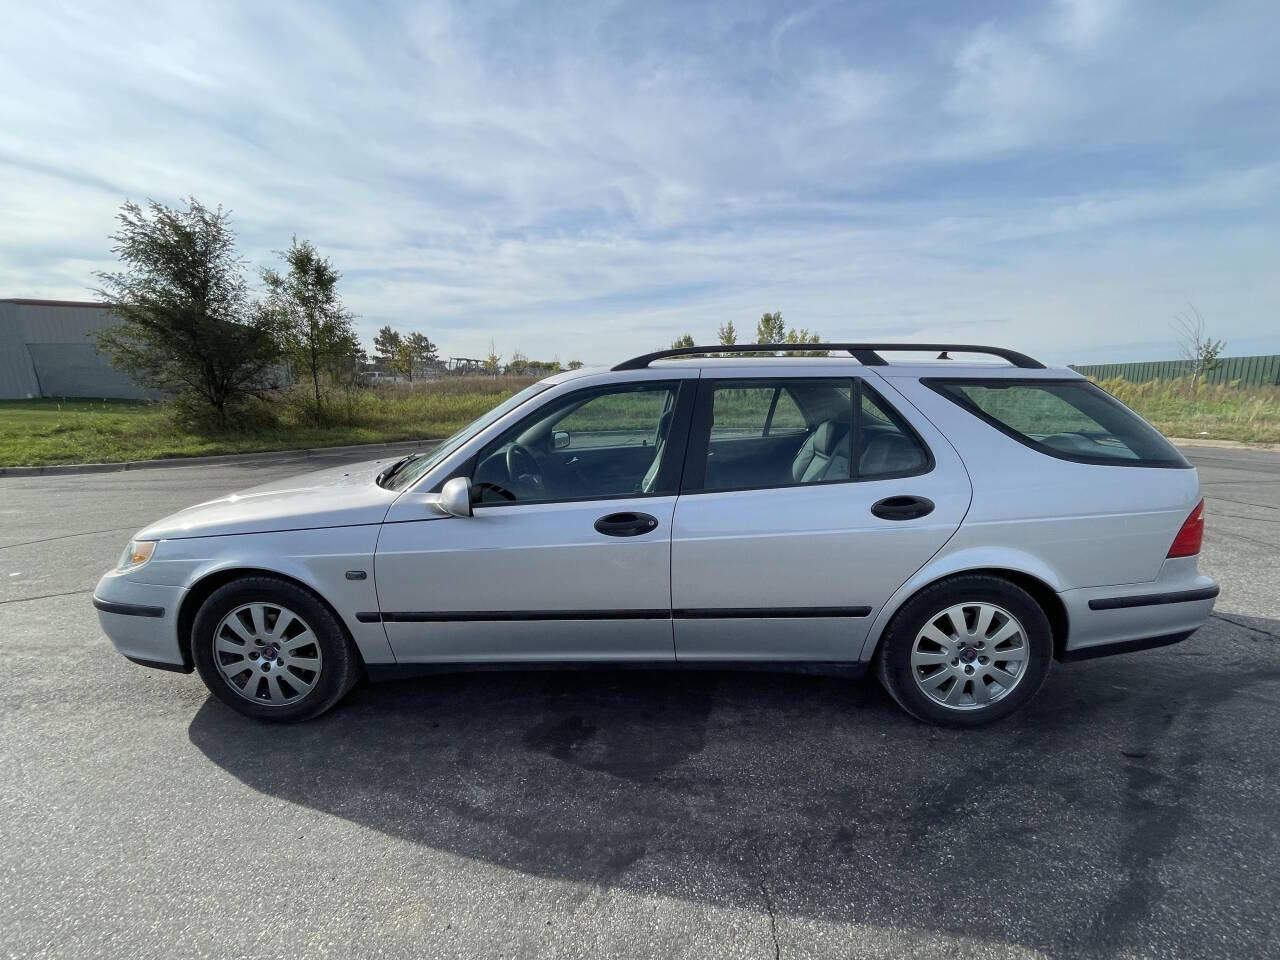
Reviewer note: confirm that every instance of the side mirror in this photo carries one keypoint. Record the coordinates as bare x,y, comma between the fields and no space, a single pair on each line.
560,439
455,497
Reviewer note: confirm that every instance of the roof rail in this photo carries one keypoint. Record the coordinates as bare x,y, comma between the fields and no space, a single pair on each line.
865,353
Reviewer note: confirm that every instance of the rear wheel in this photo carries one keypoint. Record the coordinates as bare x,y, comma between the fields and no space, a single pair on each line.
272,650
966,651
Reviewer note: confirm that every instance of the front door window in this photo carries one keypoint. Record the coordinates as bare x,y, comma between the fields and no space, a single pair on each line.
591,445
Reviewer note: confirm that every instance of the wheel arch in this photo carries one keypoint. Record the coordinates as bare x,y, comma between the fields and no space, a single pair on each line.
204,587
1036,584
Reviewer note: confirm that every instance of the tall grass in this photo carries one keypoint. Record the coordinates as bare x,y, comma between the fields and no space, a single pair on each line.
430,408
1213,411
39,432
80,431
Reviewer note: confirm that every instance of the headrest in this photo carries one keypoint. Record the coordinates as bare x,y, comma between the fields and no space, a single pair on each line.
827,436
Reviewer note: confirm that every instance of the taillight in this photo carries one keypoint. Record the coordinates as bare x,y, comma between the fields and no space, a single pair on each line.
1187,542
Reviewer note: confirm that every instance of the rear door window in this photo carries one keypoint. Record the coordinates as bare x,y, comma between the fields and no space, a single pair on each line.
745,411
887,446
1069,419
784,433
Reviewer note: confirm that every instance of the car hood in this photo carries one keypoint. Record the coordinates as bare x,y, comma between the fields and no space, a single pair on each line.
334,497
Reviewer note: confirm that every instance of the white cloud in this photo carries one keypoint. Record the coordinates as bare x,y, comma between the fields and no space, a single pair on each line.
1083,24
593,180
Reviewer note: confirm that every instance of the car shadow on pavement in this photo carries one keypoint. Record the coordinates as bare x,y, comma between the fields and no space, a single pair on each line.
1109,811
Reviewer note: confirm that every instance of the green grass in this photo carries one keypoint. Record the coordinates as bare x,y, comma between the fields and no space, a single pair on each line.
42,432
1211,411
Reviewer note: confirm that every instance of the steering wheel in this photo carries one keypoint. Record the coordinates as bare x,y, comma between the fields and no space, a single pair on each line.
523,467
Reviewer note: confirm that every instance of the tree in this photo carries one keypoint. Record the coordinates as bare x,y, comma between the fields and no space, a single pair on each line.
804,336
187,325
386,345
350,365
728,334
1200,351
493,360
684,341
770,328
318,330
518,364
402,361
575,364
349,374
422,352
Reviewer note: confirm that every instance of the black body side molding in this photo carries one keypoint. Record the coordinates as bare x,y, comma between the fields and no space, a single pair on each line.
128,609
767,613
701,613
1154,599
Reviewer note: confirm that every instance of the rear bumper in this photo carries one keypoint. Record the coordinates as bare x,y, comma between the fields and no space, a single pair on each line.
1120,619
1124,646
141,620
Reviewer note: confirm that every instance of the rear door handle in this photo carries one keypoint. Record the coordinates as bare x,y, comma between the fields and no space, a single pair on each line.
626,524
902,508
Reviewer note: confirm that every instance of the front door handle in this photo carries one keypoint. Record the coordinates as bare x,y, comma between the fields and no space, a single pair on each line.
902,508
626,524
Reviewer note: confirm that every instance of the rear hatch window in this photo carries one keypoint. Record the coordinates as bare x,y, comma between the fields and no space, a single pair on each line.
1069,419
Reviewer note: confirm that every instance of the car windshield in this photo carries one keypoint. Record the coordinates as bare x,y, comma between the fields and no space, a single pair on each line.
410,472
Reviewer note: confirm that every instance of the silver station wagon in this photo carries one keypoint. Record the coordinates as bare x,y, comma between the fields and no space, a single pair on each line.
954,526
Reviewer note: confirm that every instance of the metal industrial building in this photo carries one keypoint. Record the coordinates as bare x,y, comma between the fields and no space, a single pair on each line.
46,351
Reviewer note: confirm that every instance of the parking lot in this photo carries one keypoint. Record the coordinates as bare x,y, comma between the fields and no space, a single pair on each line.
1130,811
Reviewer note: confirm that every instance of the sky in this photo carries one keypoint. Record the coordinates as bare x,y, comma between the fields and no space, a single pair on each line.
589,181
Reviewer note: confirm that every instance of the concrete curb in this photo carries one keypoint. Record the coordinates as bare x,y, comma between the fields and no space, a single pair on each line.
1224,444
74,468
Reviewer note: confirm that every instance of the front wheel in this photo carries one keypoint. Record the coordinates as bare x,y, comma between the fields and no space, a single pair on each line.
966,651
271,650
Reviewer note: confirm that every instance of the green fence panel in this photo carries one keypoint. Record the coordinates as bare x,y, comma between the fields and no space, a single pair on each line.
1256,371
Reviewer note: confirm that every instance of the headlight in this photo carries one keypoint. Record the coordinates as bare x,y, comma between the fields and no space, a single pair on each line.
136,554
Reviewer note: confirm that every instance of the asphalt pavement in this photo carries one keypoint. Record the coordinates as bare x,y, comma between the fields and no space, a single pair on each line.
1130,811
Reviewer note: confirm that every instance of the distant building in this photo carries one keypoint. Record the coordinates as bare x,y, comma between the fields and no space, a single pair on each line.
46,351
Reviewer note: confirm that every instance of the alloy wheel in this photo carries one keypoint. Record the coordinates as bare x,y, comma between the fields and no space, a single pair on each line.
267,653
969,656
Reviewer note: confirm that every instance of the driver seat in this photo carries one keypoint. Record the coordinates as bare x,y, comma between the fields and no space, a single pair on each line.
651,475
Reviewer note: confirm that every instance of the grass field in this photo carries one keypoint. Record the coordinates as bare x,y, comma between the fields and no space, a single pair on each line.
1214,412
41,432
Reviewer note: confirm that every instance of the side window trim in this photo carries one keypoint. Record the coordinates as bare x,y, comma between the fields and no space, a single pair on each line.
694,474
773,405
669,470
855,443
699,444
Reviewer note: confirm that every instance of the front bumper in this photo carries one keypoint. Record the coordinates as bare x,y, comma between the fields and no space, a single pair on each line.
141,619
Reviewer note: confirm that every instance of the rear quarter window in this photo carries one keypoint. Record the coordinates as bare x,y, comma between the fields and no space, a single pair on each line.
1068,419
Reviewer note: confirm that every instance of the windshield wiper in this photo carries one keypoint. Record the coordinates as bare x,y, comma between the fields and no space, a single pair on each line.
395,468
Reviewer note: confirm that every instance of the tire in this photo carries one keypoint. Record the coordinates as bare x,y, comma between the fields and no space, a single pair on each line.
310,662
966,651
